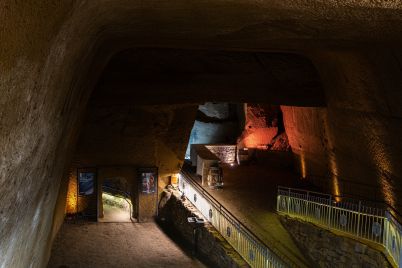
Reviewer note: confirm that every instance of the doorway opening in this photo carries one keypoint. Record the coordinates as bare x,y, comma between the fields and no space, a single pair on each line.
116,201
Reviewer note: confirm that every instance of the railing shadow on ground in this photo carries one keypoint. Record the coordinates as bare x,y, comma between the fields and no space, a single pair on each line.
360,219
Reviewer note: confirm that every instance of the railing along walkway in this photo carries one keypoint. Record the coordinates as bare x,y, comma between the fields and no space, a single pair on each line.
248,245
374,224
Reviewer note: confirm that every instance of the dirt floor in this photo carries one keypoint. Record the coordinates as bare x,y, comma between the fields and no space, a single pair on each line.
249,193
115,214
109,245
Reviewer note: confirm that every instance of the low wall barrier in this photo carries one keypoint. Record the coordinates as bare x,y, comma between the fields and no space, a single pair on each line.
354,218
252,249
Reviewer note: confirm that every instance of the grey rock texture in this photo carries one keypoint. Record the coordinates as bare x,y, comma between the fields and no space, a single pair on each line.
215,110
329,250
226,153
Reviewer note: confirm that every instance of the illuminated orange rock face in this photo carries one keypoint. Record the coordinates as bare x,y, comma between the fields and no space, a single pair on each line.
305,127
71,202
262,128
257,137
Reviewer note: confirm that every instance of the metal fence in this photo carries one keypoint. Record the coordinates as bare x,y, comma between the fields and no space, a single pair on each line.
372,223
254,251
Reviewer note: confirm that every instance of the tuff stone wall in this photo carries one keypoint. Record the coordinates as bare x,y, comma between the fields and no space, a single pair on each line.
132,136
329,250
52,53
364,123
261,125
216,123
305,128
352,146
211,245
226,153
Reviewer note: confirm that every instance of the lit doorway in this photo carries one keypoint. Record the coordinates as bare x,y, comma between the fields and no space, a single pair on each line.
116,200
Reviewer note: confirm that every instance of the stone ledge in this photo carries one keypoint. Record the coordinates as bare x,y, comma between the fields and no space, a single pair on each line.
326,249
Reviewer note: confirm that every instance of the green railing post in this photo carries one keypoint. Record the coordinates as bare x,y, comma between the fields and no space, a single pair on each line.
329,211
307,207
386,232
277,202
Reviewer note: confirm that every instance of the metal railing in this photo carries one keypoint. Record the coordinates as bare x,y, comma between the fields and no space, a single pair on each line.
375,224
253,250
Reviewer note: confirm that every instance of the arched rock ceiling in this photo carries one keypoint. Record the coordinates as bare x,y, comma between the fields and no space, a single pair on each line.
249,24
270,24
176,76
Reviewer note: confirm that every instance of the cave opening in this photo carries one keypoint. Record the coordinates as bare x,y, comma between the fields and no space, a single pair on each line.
151,104
151,107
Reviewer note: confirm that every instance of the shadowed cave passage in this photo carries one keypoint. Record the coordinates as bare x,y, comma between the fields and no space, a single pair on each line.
125,129
115,86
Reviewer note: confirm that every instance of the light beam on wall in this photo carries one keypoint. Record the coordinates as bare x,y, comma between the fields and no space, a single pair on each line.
332,163
71,202
303,165
382,162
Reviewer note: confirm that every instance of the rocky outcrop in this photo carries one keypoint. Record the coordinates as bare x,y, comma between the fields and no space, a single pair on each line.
225,153
263,128
329,250
216,123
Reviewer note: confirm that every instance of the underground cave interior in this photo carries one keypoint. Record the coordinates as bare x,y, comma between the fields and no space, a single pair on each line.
261,141
174,56
151,105
124,129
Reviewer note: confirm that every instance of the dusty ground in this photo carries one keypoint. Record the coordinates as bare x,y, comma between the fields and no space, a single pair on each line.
249,193
108,245
115,214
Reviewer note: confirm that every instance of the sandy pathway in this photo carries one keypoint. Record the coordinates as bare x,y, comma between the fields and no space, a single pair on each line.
97,245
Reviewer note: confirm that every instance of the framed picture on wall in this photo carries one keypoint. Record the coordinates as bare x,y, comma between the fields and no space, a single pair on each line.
148,180
86,182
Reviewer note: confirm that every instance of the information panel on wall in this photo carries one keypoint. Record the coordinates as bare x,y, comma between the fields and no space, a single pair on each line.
86,183
147,198
148,179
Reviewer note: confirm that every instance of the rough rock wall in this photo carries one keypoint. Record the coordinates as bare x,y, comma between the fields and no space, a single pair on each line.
263,128
33,121
211,245
46,46
215,123
225,153
307,138
133,136
329,250
365,122
352,147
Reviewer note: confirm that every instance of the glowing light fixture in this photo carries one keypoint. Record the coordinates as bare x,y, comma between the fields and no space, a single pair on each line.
174,179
